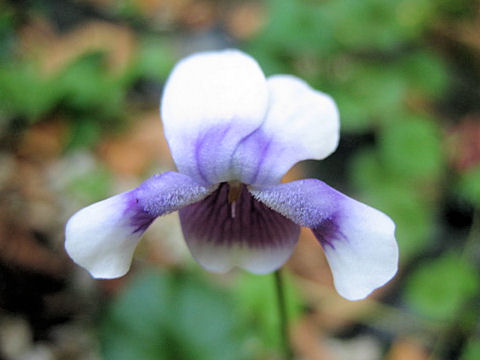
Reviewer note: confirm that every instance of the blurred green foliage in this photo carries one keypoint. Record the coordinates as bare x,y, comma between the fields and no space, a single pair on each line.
469,185
257,302
25,92
472,351
441,287
182,316
173,316
91,186
154,60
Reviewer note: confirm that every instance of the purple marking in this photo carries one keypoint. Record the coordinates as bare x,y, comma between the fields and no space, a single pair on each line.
207,149
254,224
255,148
328,232
139,219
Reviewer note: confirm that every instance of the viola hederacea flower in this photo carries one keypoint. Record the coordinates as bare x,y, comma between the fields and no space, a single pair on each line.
233,134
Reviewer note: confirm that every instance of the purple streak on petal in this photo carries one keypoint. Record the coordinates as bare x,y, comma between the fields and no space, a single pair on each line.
208,149
251,227
328,232
138,218
250,155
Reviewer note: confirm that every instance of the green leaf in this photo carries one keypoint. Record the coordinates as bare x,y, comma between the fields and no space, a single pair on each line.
439,288
425,73
377,24
92,186
368,96
88,88
155,60
411,148
85,132
25,92
469,185
471,351
171,316
256,297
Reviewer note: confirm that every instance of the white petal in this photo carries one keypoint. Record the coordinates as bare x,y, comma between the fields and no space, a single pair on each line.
301,123
211,101
358,240
366,256
102,237
302,117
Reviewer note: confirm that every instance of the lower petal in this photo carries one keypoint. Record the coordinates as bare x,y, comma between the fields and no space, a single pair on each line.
358,240
222,233
103,236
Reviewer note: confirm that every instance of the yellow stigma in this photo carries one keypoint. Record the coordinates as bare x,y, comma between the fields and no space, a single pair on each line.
234,191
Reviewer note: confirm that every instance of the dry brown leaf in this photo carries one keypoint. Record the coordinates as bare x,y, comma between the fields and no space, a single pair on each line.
245,20
54,52
309,262
199,15
19,248
35,38
407,349
465,32
464,144
296,172
308,341
44,140
113,287
173,8
133,152
192,13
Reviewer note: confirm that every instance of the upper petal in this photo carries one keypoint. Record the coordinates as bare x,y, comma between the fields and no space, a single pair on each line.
301,123
358,240
211,101
102,237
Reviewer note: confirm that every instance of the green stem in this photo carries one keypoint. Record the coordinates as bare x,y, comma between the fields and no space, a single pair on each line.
471,250
282,314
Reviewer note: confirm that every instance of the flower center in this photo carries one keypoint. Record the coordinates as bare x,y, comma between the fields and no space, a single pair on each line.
234,191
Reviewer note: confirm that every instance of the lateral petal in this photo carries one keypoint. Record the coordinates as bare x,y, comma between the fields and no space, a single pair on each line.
211,101
358,240
103,236
244,233
301,123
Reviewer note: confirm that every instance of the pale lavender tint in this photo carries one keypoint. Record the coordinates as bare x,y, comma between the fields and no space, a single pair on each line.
167,192
208,146
310,203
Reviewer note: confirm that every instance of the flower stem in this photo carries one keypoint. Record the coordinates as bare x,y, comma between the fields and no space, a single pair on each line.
282,314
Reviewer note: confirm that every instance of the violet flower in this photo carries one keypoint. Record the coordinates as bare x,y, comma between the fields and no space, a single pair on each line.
233,134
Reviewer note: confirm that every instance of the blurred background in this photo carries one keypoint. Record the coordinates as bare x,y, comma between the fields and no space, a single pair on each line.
80,82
